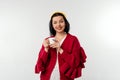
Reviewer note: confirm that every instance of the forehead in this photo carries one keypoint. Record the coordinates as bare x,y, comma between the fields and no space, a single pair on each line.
58,18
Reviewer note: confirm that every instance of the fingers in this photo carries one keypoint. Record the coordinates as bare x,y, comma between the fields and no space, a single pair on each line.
55,45
46,43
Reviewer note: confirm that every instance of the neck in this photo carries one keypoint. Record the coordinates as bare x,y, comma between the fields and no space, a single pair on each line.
59,36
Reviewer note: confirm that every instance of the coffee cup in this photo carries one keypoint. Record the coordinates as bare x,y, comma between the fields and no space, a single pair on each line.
51,40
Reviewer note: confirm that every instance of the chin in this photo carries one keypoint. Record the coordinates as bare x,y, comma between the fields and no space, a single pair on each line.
59,31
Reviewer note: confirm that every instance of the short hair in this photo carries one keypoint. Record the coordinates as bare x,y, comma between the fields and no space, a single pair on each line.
67,25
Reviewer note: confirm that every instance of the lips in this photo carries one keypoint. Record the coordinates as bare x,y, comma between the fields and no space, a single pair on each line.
59,28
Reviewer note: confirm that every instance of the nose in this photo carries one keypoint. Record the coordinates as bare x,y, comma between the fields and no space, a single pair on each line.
58,24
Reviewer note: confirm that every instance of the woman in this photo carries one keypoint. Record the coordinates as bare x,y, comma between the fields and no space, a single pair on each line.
64,58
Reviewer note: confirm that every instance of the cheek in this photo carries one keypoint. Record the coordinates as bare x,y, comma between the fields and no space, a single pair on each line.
54,26
63,25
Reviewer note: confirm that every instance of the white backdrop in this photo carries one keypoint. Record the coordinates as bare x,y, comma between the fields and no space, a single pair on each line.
24,25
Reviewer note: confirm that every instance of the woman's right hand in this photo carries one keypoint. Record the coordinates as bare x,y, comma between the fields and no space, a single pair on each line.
46,44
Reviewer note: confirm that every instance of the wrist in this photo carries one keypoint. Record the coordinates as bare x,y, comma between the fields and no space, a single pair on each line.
60,50
46,49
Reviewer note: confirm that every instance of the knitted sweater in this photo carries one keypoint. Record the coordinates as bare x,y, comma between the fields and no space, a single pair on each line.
71,61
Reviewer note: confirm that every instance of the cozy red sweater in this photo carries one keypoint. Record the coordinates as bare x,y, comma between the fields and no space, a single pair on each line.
71,61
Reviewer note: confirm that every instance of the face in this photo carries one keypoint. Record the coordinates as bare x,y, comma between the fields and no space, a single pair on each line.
58,24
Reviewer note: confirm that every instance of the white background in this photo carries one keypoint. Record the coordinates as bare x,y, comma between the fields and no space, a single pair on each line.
24,25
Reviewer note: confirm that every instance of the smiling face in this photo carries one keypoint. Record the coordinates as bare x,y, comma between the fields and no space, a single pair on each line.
58,24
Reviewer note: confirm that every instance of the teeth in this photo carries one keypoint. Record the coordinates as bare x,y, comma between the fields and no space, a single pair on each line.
58,28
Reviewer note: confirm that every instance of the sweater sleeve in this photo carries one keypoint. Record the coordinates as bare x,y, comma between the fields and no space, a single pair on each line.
41,61
73,60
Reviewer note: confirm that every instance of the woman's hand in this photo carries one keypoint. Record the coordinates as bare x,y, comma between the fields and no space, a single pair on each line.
46,44
56,45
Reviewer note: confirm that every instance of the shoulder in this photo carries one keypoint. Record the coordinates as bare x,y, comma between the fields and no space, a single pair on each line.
71,36
73,39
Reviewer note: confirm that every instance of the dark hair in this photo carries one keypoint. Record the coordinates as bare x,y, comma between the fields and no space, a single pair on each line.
67,25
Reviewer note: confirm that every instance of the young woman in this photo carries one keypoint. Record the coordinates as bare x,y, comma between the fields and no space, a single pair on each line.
63,58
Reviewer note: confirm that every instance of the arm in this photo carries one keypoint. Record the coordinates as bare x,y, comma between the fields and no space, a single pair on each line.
41,61
42,57
73,60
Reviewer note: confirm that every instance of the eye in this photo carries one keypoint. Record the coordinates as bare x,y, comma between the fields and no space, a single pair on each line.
55,22
61,21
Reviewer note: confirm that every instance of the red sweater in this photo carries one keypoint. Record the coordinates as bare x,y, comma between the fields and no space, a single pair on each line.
71,61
